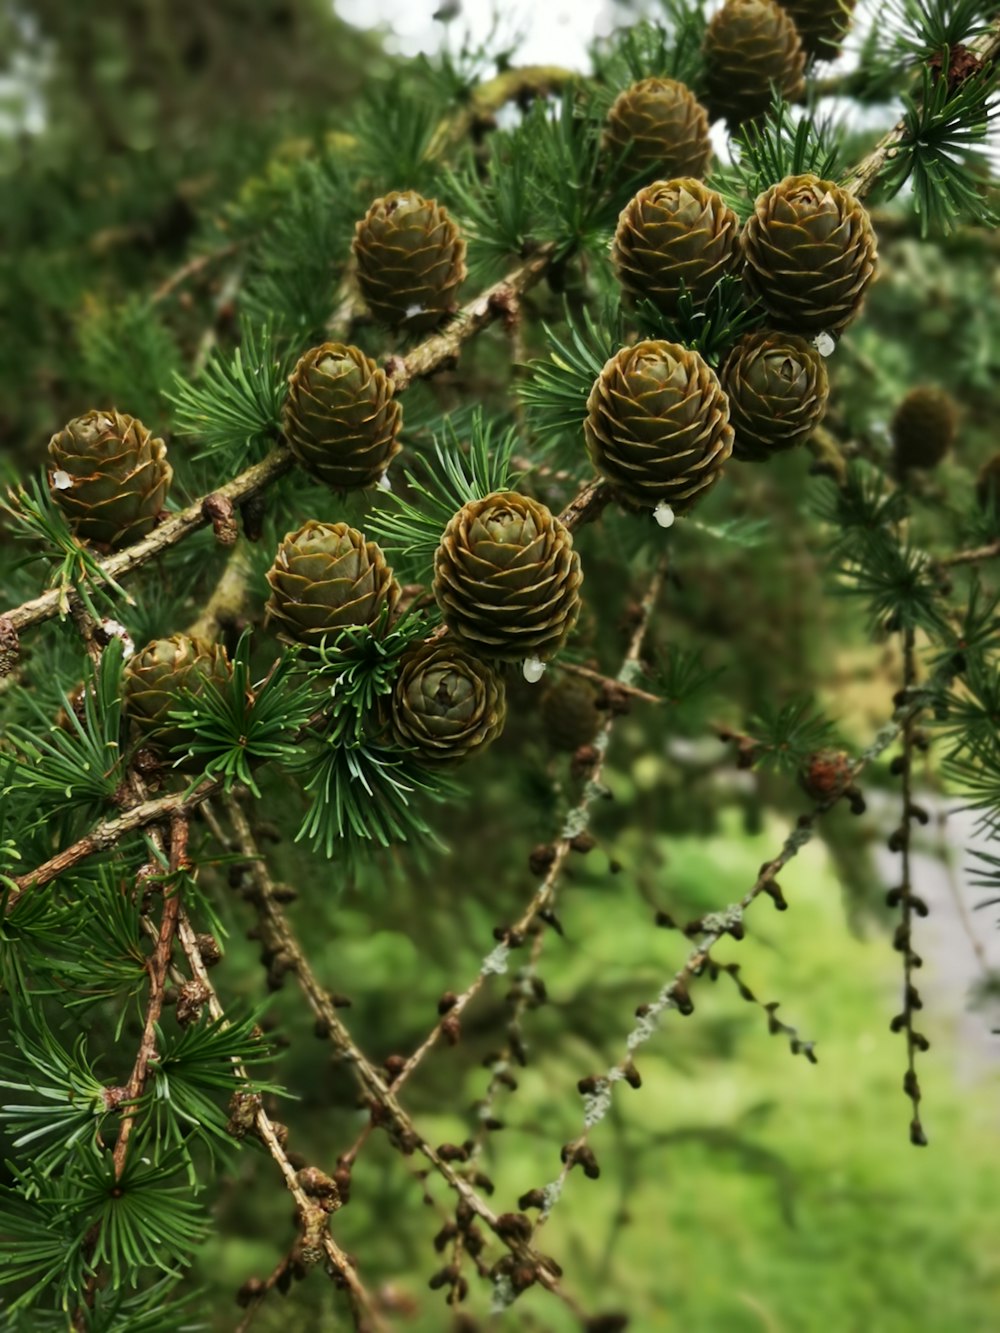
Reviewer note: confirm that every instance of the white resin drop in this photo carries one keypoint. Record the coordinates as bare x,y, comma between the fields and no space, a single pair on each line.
824,344
664,515
62,481
383,483
413,310
533,669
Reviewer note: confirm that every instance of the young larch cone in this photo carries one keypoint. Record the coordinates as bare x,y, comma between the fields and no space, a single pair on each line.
674,236
658,128
340,418
570,716
507,578
657,426
411,261
809,255
923,428
446,703
110,476
777,387
750,47
156,676
325,578
821,24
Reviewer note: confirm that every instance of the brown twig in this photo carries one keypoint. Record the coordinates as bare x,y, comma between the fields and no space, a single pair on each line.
157,967
386,1107
191,269
541,902
313,1220
909,904
972,555
109,833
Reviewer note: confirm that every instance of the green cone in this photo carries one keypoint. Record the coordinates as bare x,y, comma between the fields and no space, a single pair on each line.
340,418
657,426
446,703
411,261
326,577
672,236
658,129
810,255
109,476
507,579
777,387
156,677
751,45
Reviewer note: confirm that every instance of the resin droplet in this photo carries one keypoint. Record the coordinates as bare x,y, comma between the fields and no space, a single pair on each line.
664,515
533,669
824,344
62,481
383,483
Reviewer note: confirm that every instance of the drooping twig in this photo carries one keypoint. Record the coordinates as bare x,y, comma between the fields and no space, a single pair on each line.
157,967
313,1219
383,1096
909,904
541,902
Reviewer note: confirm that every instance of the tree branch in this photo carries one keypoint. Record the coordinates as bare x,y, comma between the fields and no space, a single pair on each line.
498,301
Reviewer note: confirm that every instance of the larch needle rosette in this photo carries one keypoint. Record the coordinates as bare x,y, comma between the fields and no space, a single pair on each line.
507,578
110,476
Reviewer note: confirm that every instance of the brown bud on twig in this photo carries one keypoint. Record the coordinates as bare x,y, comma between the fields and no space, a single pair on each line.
218,509
191,999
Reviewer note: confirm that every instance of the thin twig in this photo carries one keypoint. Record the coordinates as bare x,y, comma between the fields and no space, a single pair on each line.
157,967
541,902
314,1221
389,1112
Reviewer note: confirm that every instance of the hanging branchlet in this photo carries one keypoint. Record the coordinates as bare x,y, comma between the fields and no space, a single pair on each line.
910,906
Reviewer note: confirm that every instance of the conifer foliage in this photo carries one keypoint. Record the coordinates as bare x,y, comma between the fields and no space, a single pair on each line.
553,397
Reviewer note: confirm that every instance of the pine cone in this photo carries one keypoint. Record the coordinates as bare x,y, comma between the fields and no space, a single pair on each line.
826,774
821,24
658,425
507,579
750,45
673,234
411,261
446,703
341,420
923,428
155,677
777,387
326,577
109,476
570,717
810,254
658,128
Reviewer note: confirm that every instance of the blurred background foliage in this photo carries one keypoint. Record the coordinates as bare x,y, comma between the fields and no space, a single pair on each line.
742,1188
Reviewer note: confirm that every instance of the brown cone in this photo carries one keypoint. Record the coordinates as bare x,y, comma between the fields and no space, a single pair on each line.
658,129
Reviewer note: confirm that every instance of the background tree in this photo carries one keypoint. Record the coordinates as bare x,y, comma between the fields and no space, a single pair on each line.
477,525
